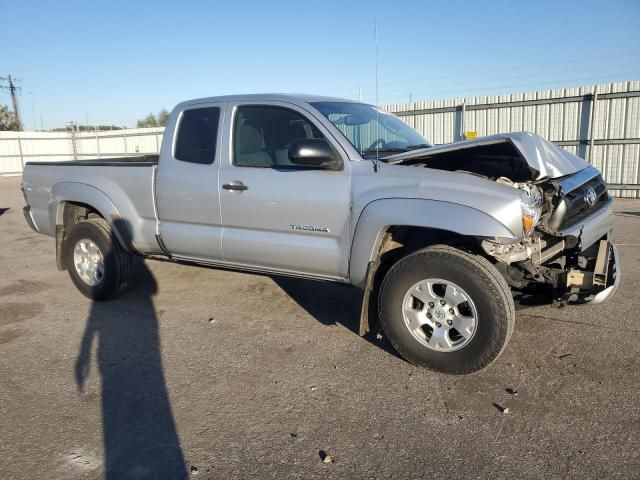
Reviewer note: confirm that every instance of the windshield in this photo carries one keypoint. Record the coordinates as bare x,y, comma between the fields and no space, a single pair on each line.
370,129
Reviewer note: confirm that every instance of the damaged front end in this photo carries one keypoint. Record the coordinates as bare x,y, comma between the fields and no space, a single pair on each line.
566,239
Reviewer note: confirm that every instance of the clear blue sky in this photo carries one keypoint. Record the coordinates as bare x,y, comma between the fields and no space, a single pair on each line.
116,61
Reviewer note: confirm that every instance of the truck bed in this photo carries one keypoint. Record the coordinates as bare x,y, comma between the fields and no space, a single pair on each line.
125,186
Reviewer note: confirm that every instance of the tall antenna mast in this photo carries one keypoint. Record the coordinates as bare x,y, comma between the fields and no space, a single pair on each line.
375,164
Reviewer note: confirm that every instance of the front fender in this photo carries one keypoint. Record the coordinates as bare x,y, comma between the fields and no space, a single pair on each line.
379,215
89,195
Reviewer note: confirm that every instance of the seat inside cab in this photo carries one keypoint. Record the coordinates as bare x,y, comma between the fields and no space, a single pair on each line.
264,134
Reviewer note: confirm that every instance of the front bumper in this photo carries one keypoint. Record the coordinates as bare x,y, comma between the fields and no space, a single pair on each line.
597,283
605,294
593,228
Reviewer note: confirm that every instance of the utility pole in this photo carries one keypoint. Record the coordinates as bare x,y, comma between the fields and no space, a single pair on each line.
14,98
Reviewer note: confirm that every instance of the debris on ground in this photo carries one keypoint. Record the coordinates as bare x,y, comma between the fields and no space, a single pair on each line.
325,457
194,470
511,391
501,408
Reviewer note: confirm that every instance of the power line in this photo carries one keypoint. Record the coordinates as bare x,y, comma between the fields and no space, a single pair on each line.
499,70
462,88
529,85
510,77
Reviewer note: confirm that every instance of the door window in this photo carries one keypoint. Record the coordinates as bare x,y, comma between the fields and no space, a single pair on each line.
262,136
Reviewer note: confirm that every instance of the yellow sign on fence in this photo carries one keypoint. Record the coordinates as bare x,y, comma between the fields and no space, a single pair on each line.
470,135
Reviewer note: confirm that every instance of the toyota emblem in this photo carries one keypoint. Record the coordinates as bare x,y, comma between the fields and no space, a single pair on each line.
590,197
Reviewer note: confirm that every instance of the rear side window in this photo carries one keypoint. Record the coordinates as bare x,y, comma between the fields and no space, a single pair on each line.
197,135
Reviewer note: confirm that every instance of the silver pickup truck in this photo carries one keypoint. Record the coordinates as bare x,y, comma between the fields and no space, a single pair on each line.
438,237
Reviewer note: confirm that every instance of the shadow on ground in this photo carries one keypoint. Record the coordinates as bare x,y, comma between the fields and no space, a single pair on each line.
332,304
525,300
628,214
140,438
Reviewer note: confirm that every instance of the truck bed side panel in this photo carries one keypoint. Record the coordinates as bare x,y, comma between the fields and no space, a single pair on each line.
128,187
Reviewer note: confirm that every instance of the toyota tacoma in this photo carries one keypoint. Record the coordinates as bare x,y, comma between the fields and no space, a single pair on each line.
438,237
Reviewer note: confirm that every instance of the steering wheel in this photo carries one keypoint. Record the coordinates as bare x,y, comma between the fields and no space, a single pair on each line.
381,141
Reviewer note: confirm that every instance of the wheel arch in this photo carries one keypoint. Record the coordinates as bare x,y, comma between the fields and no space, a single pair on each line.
73,202
389,229
431,217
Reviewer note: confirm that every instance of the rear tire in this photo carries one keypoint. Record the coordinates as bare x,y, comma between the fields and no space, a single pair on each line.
98,266
426,294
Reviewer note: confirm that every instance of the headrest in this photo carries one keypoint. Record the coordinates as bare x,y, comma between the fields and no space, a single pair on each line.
249,139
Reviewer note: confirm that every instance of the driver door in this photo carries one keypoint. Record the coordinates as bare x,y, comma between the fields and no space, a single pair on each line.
278,216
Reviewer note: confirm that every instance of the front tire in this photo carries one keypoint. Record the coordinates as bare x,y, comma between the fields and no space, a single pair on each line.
98,266
447,310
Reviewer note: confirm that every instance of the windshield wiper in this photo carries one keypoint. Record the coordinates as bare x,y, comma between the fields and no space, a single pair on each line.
417,146
368,151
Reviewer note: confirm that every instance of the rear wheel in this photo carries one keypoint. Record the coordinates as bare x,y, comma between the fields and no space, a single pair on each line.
447,310
98,266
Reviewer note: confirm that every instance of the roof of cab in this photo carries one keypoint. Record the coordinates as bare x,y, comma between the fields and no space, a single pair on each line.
283,97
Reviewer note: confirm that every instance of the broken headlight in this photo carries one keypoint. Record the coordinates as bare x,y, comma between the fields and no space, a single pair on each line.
531,203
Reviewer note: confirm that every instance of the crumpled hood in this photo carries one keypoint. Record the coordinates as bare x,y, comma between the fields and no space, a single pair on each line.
547,159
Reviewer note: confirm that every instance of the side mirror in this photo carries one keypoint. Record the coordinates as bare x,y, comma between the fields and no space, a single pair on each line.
314,152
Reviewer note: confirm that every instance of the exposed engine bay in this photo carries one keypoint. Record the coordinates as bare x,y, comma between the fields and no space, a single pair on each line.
547,254
492,161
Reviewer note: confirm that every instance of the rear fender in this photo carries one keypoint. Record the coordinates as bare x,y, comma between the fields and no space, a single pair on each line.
89,195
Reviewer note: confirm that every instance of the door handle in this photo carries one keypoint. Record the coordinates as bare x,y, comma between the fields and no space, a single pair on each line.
235,185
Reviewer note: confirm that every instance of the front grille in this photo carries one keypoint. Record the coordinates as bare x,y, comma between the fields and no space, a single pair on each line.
571,207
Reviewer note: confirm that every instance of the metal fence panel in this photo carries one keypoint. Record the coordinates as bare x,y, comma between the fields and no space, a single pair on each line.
17,148
600,123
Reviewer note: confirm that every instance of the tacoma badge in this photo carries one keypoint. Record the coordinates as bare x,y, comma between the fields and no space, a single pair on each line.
309,228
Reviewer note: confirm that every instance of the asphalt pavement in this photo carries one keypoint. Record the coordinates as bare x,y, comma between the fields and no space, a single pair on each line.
215,374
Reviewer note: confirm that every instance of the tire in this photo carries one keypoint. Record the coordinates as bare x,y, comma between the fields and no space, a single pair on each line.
489,302
116,274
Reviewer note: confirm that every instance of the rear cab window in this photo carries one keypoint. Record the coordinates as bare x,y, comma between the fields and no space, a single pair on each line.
197,135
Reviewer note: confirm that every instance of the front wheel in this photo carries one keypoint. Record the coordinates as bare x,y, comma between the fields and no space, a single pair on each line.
98,266
447,310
